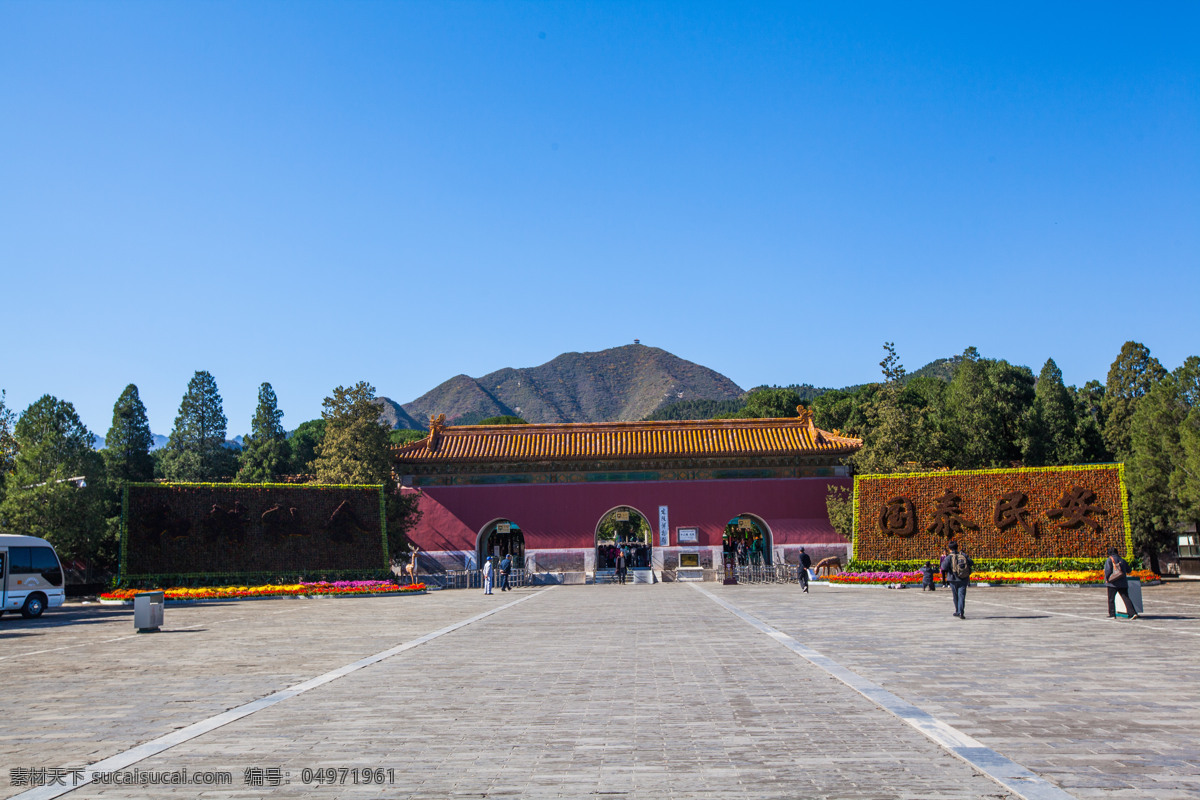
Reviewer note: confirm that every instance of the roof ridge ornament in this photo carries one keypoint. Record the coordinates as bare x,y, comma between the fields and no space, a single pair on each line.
806,419
436,426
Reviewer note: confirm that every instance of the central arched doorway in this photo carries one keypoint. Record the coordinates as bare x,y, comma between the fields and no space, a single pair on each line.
623,529
500,538
747,541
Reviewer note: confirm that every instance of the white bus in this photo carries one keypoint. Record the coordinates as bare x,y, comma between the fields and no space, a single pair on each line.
31,577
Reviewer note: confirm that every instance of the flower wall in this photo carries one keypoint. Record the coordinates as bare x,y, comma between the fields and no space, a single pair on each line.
251,529
1028,513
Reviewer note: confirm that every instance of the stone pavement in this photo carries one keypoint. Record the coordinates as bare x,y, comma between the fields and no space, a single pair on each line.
620,691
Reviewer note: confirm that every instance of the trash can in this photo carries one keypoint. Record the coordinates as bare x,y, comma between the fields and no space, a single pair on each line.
1134,588
148,611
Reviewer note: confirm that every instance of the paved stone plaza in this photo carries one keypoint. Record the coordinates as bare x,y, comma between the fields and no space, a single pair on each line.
634,691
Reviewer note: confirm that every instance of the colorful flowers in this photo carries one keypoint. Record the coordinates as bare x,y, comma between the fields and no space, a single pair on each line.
1075,576
318,588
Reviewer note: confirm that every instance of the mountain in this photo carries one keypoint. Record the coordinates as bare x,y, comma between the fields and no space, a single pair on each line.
622,383
941,368
159,441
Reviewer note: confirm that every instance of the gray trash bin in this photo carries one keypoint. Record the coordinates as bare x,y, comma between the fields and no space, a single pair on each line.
148,611
1135,596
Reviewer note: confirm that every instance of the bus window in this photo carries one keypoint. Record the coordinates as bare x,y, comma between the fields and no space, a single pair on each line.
42,560
18,561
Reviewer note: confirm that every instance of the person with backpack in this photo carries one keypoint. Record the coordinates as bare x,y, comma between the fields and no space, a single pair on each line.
957,566
1116,578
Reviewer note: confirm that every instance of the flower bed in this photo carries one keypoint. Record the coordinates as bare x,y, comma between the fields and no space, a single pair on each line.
1075,576
321,588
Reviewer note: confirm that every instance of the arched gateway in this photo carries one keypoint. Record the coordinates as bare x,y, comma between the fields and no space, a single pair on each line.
623,530
747,540
500,538
678,481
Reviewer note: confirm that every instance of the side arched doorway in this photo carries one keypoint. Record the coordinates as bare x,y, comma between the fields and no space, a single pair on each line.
747,541
623,530
499,538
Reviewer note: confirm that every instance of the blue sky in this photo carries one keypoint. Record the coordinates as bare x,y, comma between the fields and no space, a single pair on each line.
312,194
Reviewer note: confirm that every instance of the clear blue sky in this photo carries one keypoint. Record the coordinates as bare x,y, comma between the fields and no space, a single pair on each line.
313,194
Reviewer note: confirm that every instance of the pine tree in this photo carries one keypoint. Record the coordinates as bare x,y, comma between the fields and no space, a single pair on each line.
265,451
1052,436
127,445
1132,375
1090,430
355,447
196,449
900,429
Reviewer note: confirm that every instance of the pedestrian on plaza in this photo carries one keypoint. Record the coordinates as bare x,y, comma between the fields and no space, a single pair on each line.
942,560
505,570
927,577
1116,578
957,567
621,566
805,563
487,575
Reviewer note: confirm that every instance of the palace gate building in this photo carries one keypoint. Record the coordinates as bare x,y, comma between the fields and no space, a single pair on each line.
677,499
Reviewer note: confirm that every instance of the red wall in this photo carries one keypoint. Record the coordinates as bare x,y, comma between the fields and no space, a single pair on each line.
565,515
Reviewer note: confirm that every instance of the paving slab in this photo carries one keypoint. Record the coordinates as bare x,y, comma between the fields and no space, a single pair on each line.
611,691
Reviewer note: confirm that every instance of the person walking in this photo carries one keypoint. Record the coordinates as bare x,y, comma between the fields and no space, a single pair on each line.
1116,579
621,566
805,563
505,571
487,575
957,566
942,560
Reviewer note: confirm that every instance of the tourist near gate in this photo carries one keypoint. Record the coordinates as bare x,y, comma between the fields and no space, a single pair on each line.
564,498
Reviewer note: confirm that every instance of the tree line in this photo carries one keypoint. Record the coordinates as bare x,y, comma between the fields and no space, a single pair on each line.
55,485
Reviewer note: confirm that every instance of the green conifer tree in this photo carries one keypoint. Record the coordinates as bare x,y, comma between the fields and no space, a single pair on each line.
1052,435
265,451
196,448
127,445
1132,375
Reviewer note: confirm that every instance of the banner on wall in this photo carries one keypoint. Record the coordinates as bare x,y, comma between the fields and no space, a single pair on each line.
664,528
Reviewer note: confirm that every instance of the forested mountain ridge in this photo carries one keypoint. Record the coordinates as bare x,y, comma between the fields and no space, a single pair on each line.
621,383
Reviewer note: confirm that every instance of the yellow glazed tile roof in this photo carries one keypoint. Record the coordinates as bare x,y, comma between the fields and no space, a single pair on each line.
623,440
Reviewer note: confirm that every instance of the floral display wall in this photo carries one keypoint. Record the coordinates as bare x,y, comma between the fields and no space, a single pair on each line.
1030,513
241,529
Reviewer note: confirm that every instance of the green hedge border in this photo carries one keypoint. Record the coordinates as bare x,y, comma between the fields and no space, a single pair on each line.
195,579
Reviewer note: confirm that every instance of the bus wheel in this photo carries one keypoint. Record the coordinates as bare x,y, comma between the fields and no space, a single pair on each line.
34,606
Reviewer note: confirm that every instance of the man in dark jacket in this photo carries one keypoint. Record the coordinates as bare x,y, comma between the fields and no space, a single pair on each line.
505,571
1116,578
805,563
957,568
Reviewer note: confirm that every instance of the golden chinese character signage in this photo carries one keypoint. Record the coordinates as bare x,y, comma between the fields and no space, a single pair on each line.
1051,512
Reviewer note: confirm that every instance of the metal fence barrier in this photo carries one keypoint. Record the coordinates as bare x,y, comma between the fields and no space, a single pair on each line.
470,579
